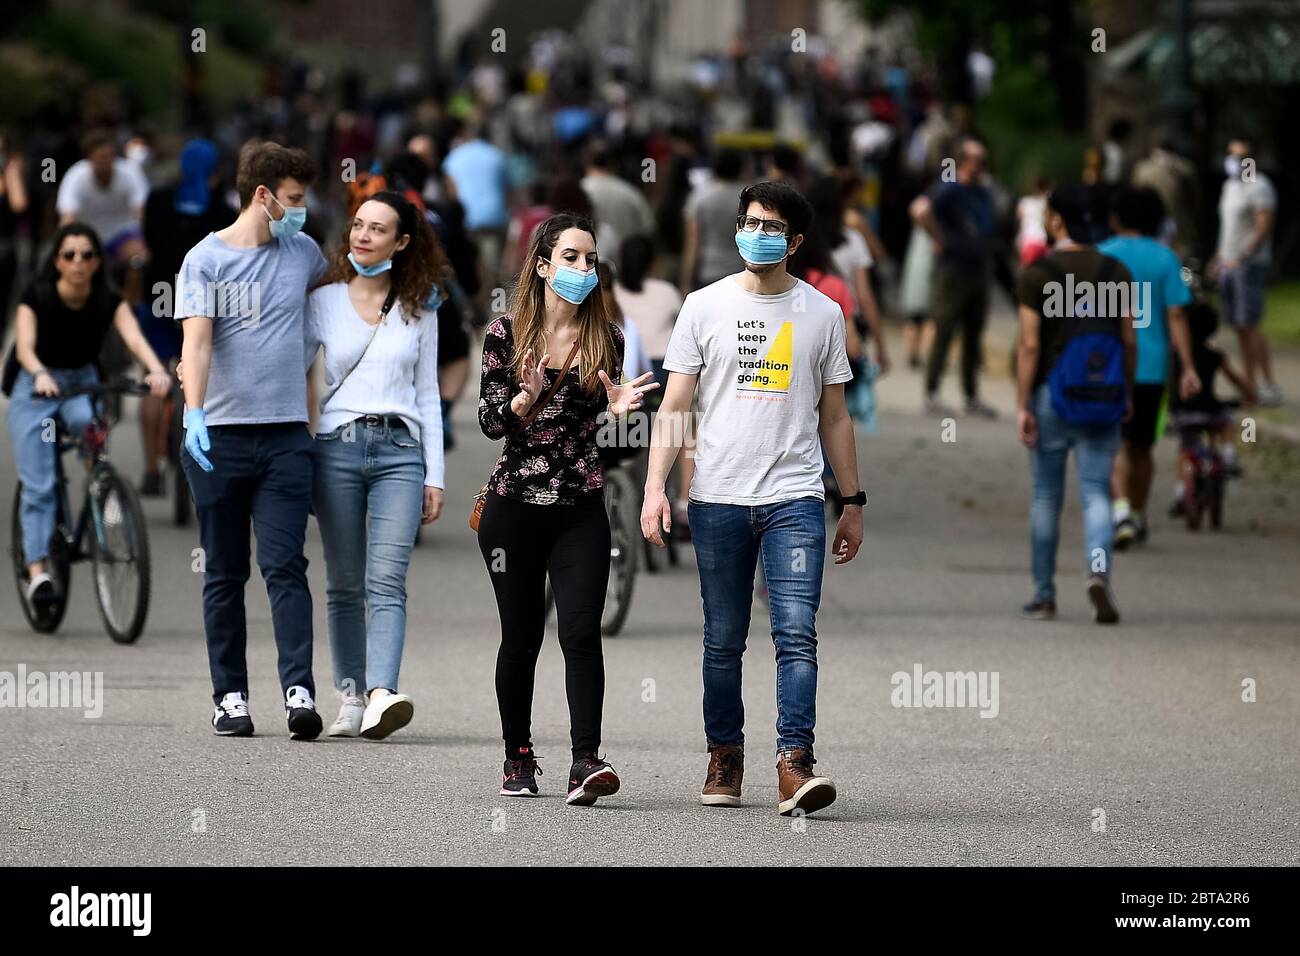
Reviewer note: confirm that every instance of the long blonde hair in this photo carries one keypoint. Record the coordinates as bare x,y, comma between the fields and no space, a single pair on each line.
528,309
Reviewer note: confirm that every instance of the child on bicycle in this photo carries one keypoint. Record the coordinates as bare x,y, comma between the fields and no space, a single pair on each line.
1205,412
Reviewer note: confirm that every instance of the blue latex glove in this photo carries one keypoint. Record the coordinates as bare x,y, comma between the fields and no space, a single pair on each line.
196,437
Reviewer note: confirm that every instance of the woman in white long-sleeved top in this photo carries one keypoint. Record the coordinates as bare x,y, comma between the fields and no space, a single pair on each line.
379,458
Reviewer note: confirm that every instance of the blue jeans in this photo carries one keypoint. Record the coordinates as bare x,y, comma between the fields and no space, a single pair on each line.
368,493
790,536
1094,452
34,449
260,481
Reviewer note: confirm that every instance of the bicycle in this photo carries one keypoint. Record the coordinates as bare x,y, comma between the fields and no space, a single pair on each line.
175,408
109,531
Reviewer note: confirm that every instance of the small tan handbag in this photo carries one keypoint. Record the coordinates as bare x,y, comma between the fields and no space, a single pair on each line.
480,499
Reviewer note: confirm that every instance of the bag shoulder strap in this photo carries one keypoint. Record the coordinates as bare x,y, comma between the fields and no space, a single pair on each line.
383,314
550,393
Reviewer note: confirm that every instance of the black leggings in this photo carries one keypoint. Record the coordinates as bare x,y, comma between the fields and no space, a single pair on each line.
520,542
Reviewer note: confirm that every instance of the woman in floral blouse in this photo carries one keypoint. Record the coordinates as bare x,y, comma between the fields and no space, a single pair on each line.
544,511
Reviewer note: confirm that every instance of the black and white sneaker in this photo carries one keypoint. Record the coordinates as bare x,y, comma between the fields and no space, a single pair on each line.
304,722
41,590
230,718
590,778
519,774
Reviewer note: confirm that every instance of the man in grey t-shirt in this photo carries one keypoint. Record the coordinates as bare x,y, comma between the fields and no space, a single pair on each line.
248,455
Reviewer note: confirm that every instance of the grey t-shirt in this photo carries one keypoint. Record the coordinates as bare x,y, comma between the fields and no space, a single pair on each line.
762,361
1238,205
713,207
255,298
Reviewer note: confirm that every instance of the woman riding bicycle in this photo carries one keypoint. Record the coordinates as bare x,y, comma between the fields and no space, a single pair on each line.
62,320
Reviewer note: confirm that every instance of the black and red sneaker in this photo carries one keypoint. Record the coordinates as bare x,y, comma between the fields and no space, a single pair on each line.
590,778
520,773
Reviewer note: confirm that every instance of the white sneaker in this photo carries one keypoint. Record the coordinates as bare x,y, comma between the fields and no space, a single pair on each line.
1270,395
385,713
40,590
348,722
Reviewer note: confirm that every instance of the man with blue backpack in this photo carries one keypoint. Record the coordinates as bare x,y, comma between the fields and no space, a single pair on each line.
1075,362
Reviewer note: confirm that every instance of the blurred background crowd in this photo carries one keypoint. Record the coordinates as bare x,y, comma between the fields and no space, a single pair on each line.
650,115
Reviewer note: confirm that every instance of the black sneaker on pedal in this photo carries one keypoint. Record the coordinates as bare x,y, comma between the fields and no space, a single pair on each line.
589,779
519,774
230,718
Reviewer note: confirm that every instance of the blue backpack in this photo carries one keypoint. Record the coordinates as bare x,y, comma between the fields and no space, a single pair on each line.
1087,381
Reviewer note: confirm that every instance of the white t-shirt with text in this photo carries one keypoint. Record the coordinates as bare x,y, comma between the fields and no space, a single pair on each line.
762,361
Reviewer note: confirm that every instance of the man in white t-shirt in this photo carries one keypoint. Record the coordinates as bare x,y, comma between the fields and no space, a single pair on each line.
1247,213
108,193
763,352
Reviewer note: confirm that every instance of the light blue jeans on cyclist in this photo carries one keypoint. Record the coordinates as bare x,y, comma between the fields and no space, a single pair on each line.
31,428
729,540
368,492
1094,453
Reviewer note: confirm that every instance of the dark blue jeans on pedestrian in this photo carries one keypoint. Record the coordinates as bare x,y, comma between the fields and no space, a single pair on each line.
790,537
261,479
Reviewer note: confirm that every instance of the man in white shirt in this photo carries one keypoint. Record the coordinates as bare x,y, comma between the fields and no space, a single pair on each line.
764,353
1247,213
108,193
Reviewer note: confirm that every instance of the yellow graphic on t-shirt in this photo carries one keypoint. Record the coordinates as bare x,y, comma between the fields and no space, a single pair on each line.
771,373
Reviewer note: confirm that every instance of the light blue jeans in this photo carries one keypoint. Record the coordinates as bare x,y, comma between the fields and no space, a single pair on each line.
368,492
34,449
790,537
1094,453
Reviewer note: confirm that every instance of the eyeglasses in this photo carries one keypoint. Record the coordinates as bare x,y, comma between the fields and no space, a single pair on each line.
71,254
771,227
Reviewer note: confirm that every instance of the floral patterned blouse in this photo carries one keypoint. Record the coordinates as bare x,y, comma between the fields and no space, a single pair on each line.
555,461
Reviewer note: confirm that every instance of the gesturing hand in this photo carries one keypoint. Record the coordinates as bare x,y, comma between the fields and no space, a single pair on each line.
628,396
532,378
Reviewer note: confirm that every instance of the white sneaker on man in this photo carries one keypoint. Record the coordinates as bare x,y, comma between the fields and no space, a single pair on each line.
387,711
348,722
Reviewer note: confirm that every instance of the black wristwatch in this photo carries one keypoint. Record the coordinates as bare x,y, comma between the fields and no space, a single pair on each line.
860,499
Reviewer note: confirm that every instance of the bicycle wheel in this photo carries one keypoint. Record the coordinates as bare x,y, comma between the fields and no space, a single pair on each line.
620,500
44,618
120,550
175,447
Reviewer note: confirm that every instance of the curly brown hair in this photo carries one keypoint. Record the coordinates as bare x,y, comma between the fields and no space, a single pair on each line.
418,268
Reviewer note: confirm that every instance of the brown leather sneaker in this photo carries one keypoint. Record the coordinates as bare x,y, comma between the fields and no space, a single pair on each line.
798,787
726,770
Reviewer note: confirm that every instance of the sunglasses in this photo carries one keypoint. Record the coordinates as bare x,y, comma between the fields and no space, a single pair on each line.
72,254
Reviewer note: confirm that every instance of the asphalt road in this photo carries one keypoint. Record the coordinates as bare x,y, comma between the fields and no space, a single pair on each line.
1140,727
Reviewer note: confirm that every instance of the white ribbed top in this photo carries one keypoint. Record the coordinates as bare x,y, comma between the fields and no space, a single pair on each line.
397,376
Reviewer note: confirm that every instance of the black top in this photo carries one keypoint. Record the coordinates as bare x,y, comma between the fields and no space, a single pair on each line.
1207,361
964,215
1045,284
69,338
556,459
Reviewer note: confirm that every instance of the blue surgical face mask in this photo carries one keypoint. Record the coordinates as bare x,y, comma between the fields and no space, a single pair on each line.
295,217
759,248
379,268
573,285
1232,166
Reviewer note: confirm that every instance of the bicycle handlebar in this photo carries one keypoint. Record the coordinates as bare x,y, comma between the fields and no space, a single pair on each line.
120,387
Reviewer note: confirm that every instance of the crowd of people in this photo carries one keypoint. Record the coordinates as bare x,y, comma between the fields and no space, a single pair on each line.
735,291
